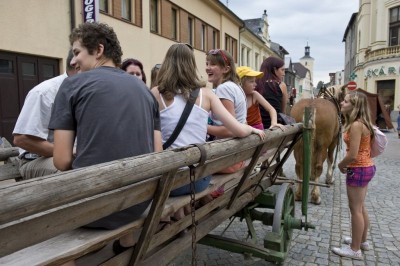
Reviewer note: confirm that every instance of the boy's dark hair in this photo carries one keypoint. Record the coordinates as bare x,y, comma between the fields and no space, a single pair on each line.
91,34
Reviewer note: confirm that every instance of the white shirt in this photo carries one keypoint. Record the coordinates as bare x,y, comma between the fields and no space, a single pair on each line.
35,114
234,93
195,128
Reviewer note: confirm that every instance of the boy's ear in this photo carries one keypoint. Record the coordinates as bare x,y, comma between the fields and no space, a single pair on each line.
99,51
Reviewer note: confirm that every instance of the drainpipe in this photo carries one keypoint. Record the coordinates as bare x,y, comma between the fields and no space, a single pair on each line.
72,13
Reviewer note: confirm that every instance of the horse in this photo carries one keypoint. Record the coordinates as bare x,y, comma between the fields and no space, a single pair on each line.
325,138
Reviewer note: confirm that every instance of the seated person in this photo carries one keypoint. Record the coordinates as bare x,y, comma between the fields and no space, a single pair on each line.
176,80
112,114
31,132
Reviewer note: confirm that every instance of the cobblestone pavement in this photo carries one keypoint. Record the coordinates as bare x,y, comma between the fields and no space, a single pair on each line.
332,221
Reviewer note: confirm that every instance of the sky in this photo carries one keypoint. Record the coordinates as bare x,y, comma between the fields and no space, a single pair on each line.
293,23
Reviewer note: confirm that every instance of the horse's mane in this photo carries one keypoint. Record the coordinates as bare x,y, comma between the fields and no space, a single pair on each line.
335,91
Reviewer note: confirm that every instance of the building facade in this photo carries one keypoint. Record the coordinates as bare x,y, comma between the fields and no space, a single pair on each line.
34,38
372,55
255,43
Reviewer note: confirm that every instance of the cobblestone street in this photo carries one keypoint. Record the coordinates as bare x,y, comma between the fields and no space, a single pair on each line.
332,221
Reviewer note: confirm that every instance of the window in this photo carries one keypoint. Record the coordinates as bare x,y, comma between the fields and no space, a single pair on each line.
154,15
394,26
243,52
174,23
203,37
126,9
214,39
231,46
48,71
6,66
190,30
256,60
103,6
28,69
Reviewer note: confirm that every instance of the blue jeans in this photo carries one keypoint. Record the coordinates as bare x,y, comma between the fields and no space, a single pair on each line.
398,122
199,186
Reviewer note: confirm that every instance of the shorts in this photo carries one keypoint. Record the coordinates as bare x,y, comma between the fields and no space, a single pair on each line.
199,186
359,176
258,126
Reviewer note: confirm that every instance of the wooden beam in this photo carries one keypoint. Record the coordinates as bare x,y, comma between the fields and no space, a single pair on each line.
154,216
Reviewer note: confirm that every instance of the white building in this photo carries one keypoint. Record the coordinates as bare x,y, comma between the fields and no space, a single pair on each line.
372,53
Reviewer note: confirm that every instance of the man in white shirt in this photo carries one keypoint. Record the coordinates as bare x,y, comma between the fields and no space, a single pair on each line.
31,133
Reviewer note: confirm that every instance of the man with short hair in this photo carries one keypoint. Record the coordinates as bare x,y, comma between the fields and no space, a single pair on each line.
112,114
31,132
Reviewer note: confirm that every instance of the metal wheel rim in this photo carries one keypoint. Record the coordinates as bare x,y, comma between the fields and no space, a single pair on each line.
284,206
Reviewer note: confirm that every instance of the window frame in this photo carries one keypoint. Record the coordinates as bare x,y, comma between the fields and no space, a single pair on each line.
154,16
394,27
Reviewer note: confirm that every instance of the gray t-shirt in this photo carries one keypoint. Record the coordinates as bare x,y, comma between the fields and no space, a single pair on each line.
113,114
234,93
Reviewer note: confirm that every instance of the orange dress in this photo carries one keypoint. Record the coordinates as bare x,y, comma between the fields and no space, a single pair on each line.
364,151
253,115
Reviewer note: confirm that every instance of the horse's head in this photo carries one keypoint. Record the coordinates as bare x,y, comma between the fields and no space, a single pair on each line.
337,91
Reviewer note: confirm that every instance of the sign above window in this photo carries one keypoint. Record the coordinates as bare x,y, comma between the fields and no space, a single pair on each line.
382,71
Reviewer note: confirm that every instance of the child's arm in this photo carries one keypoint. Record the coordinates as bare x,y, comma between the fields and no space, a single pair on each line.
268,107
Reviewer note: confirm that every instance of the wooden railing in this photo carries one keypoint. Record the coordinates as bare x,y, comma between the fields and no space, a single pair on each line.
40,215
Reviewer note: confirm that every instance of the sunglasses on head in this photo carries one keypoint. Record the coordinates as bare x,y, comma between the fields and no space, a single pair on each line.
157,66
219,51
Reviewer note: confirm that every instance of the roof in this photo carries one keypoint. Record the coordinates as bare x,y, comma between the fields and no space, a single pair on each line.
278,48
349,25
300,70
307,56
253,24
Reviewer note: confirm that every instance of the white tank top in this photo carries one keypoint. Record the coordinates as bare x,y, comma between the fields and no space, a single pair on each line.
195,128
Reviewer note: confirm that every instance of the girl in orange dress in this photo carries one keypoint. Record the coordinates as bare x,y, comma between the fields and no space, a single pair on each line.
254,99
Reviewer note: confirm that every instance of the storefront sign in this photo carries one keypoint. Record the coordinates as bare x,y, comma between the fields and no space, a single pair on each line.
382,71
90,10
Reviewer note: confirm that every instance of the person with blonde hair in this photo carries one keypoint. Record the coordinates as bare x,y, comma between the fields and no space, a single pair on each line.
254,99
359,169
177,79
154,74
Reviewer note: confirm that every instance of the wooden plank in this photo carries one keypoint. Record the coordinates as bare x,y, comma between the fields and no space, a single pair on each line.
6,153
154,216
204,212
5,144
246,173
29,197
169,252
9,171
76,243
53,222
65,210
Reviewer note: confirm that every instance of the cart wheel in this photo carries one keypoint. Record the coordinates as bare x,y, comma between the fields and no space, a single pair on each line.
283,215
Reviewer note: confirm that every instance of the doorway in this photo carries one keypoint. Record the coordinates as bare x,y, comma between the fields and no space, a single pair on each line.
19,73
